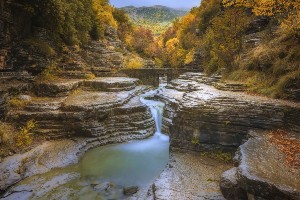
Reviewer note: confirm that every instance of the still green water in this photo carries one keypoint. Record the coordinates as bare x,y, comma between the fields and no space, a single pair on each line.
103,172
135,163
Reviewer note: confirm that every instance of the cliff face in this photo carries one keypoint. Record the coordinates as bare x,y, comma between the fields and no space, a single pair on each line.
15,24
5,33
200,117
91,112
24,46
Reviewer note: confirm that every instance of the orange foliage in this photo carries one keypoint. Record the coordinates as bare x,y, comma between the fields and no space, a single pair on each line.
287,145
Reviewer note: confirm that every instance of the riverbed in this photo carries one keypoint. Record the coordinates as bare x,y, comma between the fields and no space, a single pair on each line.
104,172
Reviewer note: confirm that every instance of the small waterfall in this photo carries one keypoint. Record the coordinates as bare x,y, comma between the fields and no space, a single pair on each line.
157,110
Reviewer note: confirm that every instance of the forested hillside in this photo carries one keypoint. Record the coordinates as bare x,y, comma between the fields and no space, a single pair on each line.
156,18
253,42
38,35
259,48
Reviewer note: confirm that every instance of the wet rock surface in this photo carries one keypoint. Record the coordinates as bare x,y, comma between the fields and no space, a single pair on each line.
39,160
201,117
189,175
130,190
229,185
91,112
261,173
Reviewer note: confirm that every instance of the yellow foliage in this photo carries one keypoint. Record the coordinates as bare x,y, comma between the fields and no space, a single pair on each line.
104,13
133,62
50,73
189,57
24,136
159,62
172,44
287,11
15,102
89,76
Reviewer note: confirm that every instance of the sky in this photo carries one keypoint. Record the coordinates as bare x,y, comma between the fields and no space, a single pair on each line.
168,3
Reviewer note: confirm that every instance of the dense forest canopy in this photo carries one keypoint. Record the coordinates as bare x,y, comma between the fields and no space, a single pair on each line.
75,22
259,47
225,32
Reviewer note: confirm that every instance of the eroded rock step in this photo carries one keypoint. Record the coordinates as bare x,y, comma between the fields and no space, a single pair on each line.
80,110
205,118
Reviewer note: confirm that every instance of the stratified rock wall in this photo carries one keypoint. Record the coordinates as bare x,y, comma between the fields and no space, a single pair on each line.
86,108
201,117
91,112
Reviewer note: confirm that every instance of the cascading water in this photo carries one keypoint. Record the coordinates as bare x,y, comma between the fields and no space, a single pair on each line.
136,163
157,110
157,113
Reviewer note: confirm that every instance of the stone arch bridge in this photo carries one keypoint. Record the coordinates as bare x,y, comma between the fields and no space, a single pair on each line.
152,76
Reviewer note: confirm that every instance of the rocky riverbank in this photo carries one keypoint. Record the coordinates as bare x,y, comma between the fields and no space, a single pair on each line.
200,117
78,115
189,175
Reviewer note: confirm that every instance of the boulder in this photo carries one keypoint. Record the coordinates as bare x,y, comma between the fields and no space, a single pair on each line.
261,172
130,190
229,186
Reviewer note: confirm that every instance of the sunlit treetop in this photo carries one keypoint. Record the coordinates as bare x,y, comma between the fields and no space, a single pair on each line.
288,12
266,7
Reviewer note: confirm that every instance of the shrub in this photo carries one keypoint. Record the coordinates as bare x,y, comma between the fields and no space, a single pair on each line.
15,102
195,141
24,136
89,76
50,73
40,46
133,63
7,133
158,62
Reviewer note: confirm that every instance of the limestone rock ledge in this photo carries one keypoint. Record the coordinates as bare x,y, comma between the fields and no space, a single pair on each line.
78,115
261,174
189,175
205,118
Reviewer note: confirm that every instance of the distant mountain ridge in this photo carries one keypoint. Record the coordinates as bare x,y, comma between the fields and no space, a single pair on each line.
157,17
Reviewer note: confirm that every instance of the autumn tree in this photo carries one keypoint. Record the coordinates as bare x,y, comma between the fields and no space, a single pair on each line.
206,12
288,12
103,13
223,40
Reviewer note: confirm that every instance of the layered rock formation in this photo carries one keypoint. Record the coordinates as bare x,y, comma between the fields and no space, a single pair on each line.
261,173
200,117
93,112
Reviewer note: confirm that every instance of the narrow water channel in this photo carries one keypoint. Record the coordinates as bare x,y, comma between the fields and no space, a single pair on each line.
135,163
103,172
